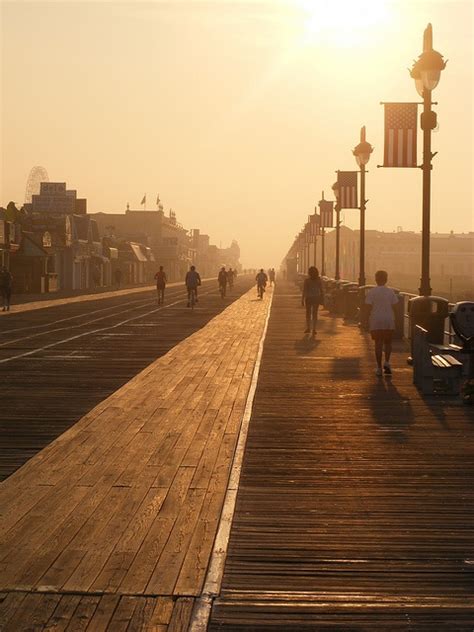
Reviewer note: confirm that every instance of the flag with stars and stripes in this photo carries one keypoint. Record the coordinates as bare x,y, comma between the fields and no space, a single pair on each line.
326,213
347,182
314,225
400,134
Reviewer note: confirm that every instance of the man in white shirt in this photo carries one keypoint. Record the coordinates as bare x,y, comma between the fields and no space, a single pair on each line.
382,301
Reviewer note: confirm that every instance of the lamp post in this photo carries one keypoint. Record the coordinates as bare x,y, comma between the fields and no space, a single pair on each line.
362,155
337,208
426,72
314,228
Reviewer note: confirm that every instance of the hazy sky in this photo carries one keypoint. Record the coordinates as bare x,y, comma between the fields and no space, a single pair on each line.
237,112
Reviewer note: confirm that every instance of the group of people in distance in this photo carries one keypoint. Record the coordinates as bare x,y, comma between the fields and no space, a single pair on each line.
380,301
226,278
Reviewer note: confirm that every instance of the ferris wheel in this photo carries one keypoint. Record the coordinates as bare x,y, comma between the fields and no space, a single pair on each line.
37,175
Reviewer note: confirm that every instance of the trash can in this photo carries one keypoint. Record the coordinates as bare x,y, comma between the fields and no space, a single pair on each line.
338,306
351,301
363,307
430,313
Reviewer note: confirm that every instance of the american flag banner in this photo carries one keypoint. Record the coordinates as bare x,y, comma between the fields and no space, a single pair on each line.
314,221
400,134
326,212
347,182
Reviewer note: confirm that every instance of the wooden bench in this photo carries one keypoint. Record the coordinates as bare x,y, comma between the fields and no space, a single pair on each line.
435,371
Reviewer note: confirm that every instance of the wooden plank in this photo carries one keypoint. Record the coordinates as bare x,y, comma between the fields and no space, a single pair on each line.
63,613
103,614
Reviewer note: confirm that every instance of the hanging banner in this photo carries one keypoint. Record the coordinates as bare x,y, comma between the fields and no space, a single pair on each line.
347,182
400,134
326,213
314,223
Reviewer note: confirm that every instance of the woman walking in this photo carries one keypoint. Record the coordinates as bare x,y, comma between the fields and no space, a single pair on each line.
312,298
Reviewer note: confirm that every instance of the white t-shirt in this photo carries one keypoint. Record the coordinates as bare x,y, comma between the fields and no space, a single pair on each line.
382,299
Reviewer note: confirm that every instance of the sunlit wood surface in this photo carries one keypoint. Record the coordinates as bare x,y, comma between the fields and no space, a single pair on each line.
112,525
355,509
57,363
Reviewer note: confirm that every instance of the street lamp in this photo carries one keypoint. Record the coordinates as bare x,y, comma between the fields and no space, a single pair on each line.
362,155
337,208
426,73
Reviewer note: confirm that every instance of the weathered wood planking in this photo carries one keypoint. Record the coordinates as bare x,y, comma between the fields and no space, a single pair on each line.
46,393
355,508
127,501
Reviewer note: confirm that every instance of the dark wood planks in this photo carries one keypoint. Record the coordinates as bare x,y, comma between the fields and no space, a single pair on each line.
355,508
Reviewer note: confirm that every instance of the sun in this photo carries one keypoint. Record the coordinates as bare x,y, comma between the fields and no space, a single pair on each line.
343,22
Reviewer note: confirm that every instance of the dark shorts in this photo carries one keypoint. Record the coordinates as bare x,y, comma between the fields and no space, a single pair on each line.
382,335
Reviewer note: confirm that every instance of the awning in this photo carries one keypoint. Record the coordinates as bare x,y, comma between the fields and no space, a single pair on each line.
139,254
113,253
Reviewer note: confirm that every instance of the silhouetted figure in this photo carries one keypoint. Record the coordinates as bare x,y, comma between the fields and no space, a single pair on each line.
262,280
193,280
312,298
230,278
6,282
382,301
161,281
272,276
222,279
118,277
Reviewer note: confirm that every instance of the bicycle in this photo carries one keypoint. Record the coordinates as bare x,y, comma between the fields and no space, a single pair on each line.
222,290
192,297
260,291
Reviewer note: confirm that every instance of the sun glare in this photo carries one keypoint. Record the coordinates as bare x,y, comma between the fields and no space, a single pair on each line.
343,22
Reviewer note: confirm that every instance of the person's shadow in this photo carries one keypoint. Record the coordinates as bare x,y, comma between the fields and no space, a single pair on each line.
306,345
392,412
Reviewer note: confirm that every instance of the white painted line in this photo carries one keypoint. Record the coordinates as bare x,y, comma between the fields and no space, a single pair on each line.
213,581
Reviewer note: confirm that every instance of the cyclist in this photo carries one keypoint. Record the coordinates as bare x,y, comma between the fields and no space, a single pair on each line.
161,281
222,279
230,278
261,279
193,280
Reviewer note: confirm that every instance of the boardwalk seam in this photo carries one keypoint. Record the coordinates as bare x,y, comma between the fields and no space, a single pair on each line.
213,580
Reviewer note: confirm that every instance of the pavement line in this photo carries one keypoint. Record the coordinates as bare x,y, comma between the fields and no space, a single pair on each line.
95,331
212,583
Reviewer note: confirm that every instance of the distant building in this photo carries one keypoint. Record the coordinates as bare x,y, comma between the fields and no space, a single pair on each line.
55,198
451,264
170,243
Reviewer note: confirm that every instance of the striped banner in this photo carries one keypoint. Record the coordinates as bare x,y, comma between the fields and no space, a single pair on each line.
347,182
314,225
400,134
326,209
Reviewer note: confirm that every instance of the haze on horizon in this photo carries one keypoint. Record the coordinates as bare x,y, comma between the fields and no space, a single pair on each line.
236,113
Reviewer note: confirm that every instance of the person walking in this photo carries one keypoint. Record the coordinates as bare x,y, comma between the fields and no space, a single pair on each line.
312,298
261,279
161,281
6,282
230,278
382,301
222,279
271,276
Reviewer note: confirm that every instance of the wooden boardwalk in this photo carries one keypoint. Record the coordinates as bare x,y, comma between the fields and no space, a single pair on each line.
355,506
58,362
111,526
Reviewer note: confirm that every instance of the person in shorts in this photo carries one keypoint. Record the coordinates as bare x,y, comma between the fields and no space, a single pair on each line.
382,301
